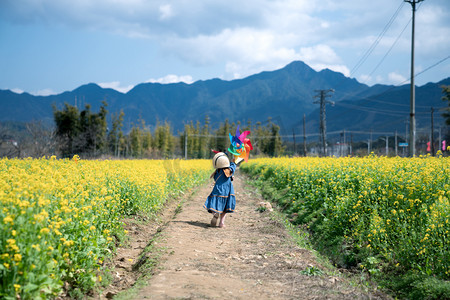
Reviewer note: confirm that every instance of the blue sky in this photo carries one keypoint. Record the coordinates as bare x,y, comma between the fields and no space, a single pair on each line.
48,47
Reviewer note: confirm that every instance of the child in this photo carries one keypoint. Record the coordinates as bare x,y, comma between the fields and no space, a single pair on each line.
222,199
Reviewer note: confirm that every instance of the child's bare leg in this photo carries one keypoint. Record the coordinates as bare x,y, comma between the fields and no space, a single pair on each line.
222,219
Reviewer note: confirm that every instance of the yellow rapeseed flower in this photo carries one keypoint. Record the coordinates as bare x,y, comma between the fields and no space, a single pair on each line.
8,219
44,231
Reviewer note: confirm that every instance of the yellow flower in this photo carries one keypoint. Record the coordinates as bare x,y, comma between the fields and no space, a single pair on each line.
44,231
17,257
17,287
68,243
8,219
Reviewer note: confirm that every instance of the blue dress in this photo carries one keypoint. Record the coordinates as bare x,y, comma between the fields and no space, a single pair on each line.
222,198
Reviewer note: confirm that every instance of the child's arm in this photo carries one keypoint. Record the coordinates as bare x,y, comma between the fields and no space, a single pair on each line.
227,172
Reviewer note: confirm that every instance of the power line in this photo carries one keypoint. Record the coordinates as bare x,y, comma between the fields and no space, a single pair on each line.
349,96
432,66
389,51
377,41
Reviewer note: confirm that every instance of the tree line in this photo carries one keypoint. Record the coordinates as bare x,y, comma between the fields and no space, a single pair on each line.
87,134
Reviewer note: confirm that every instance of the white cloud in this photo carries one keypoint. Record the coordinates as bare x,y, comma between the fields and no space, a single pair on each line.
166,12
247,37
337,68
367,79
171,78
17,91
116,86
247,51
44,92
396,78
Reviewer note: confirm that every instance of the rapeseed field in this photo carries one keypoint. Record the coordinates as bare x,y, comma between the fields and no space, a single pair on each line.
375,213
59,219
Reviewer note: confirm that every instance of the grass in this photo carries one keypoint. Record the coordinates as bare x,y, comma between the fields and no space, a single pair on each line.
302,238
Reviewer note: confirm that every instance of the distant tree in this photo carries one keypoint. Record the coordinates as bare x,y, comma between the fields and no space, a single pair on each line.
135,141
260,138
446,113
205,140
274,146
81,132
223,141
67,128
188,140
163,140
42,139
146,137
116,134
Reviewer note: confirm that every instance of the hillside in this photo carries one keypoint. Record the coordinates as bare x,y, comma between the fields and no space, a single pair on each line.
284,95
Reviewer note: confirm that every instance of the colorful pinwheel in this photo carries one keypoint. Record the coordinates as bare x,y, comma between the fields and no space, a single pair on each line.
240,144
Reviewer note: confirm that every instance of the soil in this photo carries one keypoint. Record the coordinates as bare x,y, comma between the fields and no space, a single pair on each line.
180,256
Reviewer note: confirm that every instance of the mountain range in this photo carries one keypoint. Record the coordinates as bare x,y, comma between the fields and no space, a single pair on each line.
284,95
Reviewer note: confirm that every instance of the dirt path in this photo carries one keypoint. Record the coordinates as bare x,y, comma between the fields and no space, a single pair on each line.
252,258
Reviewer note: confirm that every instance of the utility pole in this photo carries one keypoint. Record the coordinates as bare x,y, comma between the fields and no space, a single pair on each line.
304,134
185,144
293,136
387,145
351,144
412,126
323,94
396,147
432,133
406,136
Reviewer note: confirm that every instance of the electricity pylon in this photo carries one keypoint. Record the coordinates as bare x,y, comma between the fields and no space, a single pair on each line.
323,94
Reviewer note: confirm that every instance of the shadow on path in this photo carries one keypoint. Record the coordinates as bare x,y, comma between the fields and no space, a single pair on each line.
198,224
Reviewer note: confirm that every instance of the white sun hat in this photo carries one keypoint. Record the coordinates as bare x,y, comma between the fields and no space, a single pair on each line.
220,160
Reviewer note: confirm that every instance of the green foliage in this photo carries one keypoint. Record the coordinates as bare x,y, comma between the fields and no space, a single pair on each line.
384,215
163,140
82,133
416,286
312,271
446,97
115,135
265,139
